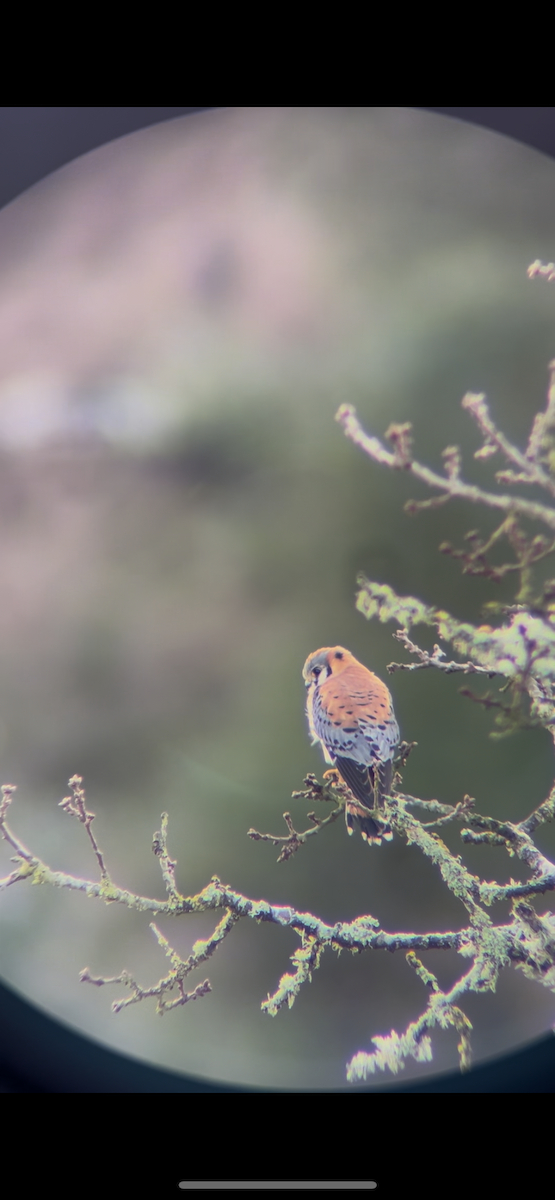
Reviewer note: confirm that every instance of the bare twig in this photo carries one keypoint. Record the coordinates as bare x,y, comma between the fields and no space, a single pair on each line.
333,792
544,422
294,840
167,865
544,812
527,464
435,659
539,268
451,485
22,856
75,805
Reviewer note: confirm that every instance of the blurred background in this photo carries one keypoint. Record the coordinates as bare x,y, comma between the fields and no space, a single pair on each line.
182,523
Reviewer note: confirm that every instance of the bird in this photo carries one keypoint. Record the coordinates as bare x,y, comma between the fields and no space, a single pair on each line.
350,713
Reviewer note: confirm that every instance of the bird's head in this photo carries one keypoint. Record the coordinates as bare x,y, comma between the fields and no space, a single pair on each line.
332,660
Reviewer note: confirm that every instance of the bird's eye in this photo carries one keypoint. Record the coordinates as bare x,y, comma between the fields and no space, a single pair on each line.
316,671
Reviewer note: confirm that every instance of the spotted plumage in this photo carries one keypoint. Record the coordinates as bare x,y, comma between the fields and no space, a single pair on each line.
350,713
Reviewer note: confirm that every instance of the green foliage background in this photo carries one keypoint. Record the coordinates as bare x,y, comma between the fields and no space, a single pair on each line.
164,576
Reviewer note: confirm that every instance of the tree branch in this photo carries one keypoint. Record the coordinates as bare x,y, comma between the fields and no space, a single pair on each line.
435,659
451,485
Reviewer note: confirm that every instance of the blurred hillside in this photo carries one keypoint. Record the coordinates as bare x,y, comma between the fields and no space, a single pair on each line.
182,522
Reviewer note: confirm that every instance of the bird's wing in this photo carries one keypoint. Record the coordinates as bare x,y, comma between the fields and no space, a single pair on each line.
357,777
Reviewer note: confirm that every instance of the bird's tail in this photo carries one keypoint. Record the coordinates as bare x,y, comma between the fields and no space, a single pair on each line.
368,787
372,829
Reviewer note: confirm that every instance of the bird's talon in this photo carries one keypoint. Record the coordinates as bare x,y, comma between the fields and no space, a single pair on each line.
333,775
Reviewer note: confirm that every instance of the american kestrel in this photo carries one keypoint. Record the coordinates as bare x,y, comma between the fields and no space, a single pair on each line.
350,713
